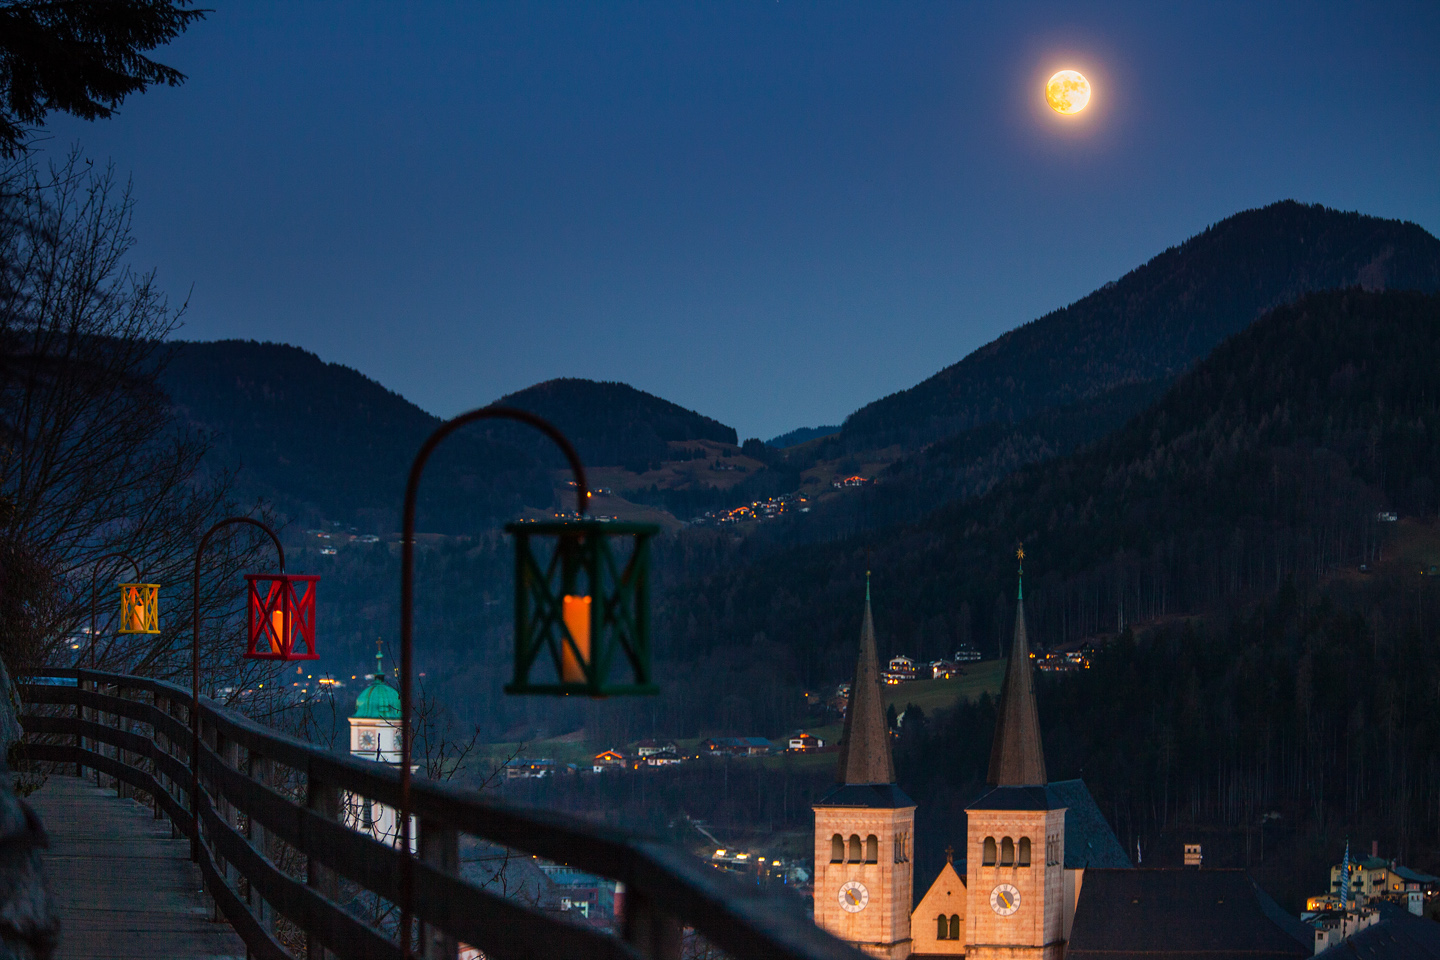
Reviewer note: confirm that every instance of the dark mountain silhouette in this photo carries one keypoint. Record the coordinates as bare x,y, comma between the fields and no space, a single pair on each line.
1155,321
800,435
324,442
613,424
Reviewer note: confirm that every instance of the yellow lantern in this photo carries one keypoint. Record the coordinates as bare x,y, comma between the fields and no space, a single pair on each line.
139,608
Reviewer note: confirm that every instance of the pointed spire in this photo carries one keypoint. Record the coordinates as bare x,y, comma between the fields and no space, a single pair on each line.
865,744
1017,758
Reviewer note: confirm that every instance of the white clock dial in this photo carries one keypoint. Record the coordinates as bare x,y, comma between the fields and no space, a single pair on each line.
367,740
853,897
1005,899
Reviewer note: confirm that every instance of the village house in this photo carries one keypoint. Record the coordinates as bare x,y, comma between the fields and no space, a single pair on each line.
945,670
651,748
523,769
805,741
609,760
736,746
902,670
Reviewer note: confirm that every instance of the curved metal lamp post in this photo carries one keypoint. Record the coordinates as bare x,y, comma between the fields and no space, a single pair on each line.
195,665
580,629
94,594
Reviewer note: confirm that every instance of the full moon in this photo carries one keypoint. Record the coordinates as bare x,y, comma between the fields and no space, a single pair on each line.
1067,92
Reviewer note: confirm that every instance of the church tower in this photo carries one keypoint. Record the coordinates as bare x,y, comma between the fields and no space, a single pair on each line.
375,735
863,827
1015,883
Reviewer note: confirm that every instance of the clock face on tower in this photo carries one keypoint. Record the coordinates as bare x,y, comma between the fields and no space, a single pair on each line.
854,897
367,740
1005,899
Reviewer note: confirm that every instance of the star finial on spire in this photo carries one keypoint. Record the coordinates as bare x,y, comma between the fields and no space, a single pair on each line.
1020,577
867,586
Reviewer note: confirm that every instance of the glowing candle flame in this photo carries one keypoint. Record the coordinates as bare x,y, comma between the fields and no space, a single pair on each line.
576,612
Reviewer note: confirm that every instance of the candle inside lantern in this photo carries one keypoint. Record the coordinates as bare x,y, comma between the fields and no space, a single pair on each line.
277,622
577,620
138,611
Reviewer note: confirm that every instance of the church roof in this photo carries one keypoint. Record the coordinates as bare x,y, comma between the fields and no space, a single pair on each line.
1181,914
379,701
1089,841
1398,936
1016,756
865,744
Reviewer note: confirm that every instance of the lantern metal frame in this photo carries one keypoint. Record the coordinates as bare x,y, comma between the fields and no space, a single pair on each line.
271,593
580,540
146,596
583,563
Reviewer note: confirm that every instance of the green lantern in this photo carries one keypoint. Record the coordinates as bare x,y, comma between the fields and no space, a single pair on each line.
582,600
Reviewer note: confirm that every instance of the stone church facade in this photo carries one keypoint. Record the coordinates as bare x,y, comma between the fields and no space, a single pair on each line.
1028,842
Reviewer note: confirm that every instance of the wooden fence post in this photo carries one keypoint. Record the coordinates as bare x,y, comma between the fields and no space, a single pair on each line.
259,772
79,738
324,799
162,745
440,848
654,934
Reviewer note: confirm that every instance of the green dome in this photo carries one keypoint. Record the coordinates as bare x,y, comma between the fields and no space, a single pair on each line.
379,701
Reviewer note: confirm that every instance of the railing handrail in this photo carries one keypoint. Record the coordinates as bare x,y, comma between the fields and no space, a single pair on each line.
737,917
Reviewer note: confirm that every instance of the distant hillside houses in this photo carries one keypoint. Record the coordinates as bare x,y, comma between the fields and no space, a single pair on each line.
736,747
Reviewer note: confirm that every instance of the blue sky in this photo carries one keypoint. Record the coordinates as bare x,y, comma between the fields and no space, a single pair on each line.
771,212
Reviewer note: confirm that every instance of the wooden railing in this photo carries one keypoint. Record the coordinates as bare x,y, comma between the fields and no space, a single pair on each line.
272,842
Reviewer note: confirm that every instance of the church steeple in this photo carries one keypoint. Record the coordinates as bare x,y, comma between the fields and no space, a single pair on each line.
865,744
1017,758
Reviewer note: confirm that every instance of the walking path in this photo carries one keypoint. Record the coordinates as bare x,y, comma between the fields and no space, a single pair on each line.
125,890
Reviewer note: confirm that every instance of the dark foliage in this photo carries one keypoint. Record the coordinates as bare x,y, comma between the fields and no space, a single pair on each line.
80,57
1156,320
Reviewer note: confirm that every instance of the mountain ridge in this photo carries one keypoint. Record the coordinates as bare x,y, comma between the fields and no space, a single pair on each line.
1185,300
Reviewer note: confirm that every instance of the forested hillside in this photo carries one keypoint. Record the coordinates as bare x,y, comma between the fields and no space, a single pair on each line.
1156,320
1270,459
613,424
323,442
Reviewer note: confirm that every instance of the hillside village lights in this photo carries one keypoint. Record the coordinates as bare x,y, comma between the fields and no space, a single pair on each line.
575,602
282,616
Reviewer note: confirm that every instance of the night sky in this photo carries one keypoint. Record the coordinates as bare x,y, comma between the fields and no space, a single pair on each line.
769,212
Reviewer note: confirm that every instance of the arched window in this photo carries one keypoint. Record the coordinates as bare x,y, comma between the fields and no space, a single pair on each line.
1007,852
872,849
1023,859
837,849
988,858
855,853
954,926
942,928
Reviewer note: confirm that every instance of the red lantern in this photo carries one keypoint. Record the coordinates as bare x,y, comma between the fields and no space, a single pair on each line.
282,616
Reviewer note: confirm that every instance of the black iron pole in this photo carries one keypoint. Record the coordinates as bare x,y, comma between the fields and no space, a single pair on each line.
195,672
407,607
